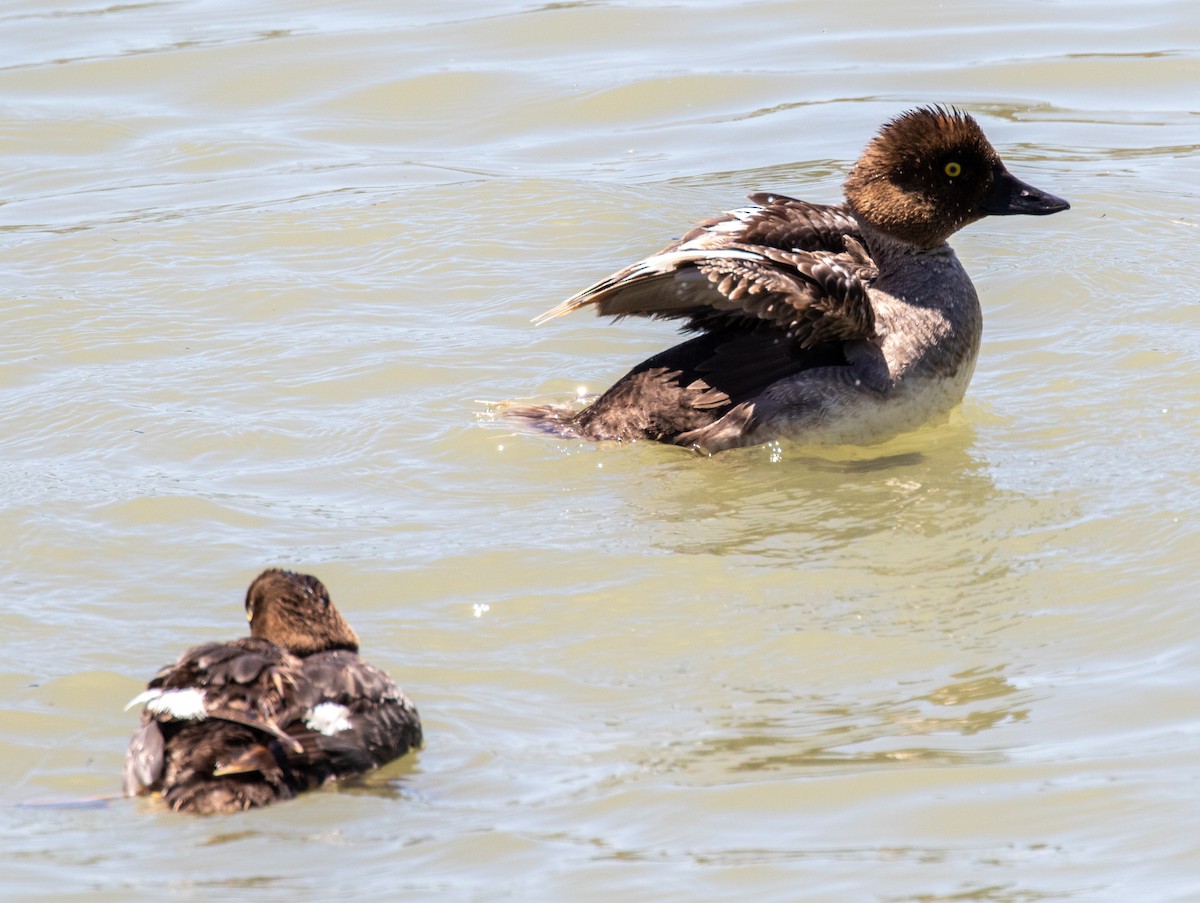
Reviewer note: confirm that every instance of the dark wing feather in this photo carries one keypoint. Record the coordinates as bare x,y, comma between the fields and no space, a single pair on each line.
242,672
686,388
198,777
813,297
247,681
383,722
777,221
785,265
248,686
653,402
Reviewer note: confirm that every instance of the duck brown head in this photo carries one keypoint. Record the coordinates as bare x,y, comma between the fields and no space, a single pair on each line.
294,611
931,171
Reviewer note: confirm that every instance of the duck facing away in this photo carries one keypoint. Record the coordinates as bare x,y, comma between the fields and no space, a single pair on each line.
823,324
234,725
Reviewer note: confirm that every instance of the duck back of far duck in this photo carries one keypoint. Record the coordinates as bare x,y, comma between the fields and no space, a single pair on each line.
235,725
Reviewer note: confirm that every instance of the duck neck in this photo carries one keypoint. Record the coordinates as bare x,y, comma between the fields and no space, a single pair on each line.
925,277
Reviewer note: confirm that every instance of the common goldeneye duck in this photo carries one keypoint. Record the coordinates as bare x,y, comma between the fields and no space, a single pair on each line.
822,324
258,719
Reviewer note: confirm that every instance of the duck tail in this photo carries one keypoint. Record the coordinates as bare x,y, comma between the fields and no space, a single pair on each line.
556,420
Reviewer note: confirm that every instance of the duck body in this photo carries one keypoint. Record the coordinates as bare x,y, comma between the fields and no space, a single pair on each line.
234,725
818,323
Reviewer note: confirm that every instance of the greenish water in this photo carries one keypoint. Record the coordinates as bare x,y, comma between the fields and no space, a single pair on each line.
262,264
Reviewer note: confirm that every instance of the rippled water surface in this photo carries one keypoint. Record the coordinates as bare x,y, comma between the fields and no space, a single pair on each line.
263,264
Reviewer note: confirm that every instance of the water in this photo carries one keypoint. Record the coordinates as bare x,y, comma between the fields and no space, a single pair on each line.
264,261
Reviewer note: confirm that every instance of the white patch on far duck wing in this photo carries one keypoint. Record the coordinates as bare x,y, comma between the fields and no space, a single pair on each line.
185,705
328,718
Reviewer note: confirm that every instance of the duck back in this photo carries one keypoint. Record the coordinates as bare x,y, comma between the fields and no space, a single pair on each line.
231,726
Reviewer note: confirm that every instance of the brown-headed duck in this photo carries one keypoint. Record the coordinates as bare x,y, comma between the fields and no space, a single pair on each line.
259,719
823,324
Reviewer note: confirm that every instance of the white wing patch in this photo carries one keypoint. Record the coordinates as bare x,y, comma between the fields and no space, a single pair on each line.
328,718
185,705
673,260
736,224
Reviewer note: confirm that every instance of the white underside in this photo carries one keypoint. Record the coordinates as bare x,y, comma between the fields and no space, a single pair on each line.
813,413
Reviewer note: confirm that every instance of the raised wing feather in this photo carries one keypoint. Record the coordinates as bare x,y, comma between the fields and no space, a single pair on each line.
784,265
778,221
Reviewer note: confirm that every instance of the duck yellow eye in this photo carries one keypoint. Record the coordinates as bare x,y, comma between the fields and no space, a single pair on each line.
953,169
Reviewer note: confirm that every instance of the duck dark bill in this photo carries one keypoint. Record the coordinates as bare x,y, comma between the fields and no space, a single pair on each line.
1012,196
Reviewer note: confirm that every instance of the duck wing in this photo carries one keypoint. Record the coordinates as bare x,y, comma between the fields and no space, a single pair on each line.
783,266
355,717
247,682
777,221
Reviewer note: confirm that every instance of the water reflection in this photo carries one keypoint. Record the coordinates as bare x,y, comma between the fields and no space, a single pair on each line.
813,503
805,733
